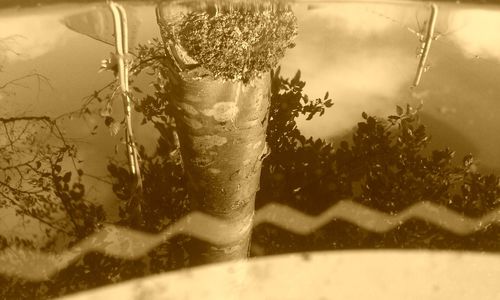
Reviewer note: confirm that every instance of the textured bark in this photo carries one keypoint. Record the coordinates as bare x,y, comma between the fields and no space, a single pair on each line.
222,127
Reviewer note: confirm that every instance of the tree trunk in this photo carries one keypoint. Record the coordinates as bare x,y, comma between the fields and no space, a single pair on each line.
222,133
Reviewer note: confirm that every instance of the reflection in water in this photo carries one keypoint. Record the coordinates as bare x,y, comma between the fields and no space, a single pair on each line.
362,66
426,41
124,243
218,133
25,38
475,34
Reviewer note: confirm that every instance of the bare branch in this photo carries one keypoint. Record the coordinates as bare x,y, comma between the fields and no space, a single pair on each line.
26,118
16,81
26,212
8,136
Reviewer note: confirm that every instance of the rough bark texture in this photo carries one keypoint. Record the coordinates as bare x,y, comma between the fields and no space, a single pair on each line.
222,127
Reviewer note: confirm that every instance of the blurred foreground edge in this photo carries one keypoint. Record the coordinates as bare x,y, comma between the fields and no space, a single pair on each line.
373,274
34,3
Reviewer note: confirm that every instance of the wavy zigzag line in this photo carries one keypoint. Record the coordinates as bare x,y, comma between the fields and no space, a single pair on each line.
371,219
125,243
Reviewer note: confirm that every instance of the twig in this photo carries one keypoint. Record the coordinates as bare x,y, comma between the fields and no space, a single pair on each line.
18,191
145,61
97,178
18,137
8,136
28,118
16,80
64,202
95,95
19,165
29,214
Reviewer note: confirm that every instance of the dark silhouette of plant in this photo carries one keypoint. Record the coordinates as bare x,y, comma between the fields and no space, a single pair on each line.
296,167
385,167
41,180
164,194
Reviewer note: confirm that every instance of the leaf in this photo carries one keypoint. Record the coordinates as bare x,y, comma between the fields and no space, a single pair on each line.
38,165
57,168
326,96
80,172
399,110
364,115
276,73
108,121
296,79
67,177
77,191
114,128
94,130
112,169
137,89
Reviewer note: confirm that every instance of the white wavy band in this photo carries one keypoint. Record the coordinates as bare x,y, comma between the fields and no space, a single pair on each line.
129,244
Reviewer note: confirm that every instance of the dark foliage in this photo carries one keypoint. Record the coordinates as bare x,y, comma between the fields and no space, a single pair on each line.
384,167
164,196
341,235
298,170
41,180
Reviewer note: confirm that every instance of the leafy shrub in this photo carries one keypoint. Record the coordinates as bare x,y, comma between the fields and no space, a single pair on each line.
385,166
237,43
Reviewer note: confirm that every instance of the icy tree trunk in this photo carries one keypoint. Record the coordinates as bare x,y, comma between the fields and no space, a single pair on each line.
222,134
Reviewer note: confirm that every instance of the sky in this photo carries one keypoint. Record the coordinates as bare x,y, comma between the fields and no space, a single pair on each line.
365,56
476,31
361,58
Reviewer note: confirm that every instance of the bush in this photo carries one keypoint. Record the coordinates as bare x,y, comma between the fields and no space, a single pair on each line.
237,43
385,166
